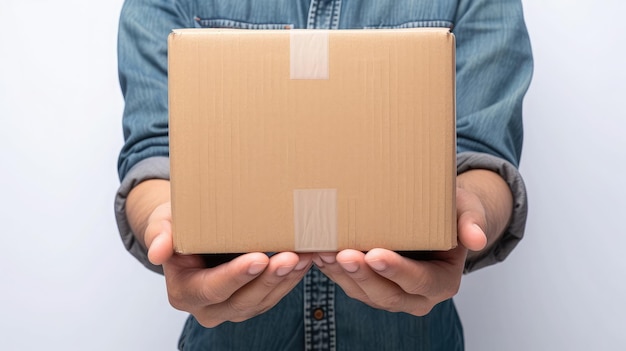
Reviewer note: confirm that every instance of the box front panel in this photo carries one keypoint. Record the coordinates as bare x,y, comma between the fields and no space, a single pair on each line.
379,130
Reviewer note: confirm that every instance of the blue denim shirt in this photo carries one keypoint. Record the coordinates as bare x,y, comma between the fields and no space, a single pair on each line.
494,67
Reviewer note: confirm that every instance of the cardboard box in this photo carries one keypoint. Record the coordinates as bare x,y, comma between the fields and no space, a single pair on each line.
296,140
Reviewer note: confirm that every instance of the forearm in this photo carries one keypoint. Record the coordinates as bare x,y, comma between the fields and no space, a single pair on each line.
142,200
496,199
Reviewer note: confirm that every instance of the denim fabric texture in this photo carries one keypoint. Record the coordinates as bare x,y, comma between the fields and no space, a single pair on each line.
494,62
494,68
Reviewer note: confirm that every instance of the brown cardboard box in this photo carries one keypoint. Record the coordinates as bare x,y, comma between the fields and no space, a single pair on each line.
312,140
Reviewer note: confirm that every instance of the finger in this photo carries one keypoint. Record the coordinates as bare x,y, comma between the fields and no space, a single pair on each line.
291,280
436,279
280,265
254,298
286,285
382,292
327,264
191,286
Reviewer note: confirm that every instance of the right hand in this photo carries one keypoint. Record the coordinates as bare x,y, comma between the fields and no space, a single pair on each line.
234,291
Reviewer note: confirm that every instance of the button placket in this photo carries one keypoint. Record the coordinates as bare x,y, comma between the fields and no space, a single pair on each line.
324,14
319,319
319,291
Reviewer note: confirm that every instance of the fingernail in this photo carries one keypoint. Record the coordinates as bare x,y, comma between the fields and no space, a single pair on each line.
328,258
256,268
377,265
318,262
155,239
283,271
350,266
301,265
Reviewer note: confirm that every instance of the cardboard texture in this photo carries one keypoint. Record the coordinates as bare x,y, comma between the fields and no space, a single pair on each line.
299,140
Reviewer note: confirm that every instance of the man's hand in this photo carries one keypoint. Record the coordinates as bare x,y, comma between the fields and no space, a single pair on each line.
387,280
233,291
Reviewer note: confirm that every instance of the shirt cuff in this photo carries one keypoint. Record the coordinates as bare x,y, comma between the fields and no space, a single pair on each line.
515,230
149,168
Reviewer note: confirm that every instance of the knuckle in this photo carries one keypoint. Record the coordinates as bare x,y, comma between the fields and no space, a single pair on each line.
178,304
446,291
422,286
454,289
211,294
207,322
249,314
422,310
392,302
268,283
360,278
357,295
185,300
245,309
177,300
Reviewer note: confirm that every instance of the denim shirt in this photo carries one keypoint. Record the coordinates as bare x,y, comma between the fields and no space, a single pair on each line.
494,68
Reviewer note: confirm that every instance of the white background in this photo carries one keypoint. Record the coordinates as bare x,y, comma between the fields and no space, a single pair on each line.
67,282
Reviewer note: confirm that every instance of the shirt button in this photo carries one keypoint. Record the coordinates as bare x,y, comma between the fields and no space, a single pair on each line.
318,314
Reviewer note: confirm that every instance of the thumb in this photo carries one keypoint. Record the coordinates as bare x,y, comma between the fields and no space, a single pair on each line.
158,234
161,248
470,234
470,221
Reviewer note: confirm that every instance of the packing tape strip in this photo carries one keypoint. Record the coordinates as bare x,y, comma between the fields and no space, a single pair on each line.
309,54
315,219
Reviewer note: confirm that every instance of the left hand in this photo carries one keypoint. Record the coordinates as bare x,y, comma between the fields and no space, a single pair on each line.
387,280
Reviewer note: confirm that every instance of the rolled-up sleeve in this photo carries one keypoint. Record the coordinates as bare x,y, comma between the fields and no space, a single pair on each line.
150,168
515,230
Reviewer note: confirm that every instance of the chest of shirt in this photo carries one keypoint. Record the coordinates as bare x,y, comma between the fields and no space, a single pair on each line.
322,14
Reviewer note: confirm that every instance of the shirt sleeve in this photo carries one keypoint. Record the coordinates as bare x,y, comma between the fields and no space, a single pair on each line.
494,67
142,65
150,168
494,70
